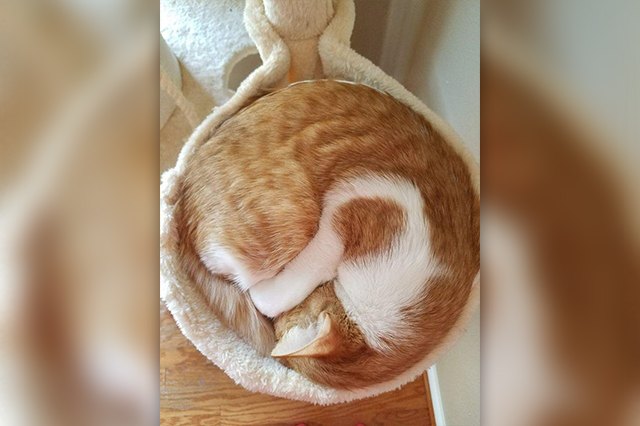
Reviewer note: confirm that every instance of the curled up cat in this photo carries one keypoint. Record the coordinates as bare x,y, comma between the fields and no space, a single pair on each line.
331,226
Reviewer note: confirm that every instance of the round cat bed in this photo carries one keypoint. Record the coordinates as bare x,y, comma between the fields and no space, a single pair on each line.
301,40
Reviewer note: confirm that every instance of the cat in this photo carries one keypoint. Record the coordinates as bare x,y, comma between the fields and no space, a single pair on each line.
342,215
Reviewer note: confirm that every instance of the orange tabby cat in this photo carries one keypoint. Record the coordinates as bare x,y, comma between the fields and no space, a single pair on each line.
341,213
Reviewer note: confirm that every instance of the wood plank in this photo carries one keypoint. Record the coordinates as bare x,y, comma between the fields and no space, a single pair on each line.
193,391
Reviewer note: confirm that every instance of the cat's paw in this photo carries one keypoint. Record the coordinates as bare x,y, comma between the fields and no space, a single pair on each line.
285,291
266,300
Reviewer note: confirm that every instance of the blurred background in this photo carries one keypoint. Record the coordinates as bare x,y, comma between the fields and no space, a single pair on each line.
78,212
561,271
80,156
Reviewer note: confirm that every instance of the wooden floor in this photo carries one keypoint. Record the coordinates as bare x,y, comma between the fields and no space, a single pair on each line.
193,391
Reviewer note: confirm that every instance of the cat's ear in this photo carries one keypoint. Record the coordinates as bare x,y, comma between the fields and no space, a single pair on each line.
319,339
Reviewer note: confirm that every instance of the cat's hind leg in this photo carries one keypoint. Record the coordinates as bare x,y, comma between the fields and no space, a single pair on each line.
316,263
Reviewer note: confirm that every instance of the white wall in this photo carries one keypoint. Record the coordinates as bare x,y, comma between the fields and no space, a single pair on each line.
458,374
445,69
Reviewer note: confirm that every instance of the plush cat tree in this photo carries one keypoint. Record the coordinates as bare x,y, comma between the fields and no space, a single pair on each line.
297,40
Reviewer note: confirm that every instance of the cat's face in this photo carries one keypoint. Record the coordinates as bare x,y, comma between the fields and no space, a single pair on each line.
317,327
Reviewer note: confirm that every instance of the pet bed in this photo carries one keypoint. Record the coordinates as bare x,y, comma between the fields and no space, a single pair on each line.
296,40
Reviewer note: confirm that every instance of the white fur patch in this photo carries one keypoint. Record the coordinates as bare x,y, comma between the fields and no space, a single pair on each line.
375,289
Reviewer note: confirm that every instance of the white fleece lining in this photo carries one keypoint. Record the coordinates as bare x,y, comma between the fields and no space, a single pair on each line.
189,309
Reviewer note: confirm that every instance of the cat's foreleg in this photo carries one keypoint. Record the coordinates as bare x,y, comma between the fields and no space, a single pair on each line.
317,263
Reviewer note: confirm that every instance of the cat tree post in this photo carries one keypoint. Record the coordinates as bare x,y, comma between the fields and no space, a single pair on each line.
300,23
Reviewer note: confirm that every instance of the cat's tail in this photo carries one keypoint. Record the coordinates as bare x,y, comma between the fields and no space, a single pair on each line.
236,310
232,306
